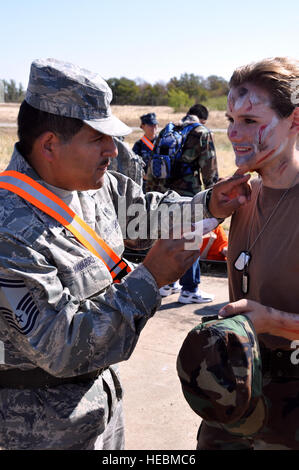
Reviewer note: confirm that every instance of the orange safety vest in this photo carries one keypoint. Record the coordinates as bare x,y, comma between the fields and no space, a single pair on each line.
214,251
147,142
46,201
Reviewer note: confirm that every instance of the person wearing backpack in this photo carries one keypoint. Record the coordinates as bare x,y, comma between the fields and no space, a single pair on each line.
190,166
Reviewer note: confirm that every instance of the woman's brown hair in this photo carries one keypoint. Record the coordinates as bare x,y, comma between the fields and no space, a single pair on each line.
279,76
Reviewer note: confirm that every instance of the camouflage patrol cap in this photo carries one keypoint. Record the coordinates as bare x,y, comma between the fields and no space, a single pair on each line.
220,369
67,90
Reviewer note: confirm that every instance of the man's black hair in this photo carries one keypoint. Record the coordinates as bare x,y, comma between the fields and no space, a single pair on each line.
200,111
32,123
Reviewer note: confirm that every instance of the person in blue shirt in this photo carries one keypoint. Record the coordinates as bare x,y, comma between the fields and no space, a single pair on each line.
145,145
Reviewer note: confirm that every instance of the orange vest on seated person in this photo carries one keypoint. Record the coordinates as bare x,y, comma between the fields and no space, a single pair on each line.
212,246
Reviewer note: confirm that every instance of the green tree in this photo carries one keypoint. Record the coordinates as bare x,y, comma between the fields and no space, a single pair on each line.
124,91
158,95
178,92
12,92
191,84
1,90
217,86
179,100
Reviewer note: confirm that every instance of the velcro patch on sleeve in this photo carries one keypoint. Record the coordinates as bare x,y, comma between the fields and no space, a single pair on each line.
17,305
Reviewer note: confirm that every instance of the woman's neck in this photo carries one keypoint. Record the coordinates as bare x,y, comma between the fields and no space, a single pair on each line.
281,172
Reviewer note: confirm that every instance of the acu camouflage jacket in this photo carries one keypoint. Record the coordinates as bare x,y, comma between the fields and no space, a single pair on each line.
58,307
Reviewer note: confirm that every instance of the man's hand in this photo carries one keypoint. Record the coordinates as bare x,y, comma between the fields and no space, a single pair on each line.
228,195
168,260
265,319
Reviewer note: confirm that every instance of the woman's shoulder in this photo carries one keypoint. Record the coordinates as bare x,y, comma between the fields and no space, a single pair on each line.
256,181
255,184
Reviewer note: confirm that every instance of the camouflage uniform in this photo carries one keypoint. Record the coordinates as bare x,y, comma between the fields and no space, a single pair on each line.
63,324
127,162
198,158
60,313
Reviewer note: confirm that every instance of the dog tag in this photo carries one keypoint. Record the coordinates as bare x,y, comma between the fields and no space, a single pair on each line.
242,261
245,283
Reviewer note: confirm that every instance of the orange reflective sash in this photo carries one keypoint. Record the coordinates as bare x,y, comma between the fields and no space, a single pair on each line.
147,142
46,201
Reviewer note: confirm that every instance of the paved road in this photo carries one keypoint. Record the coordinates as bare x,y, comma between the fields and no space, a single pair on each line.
157,415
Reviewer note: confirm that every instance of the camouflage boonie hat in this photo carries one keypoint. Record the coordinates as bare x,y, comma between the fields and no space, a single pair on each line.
67,90
220,369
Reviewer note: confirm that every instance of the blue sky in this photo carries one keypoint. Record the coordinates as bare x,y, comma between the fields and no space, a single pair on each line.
153,40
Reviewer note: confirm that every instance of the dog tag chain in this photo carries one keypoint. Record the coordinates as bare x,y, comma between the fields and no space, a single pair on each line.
242,262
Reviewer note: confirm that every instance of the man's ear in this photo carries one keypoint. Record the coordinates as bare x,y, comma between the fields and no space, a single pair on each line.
47,144
295,123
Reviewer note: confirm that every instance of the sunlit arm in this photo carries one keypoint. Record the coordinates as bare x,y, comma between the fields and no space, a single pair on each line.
265,319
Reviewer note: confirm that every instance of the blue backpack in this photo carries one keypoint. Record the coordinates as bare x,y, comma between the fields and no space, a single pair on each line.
168,149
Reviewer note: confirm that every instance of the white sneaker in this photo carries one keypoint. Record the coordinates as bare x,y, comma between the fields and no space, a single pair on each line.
168,290
198,297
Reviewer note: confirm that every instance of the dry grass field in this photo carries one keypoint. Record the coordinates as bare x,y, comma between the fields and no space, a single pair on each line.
130,115
7,139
